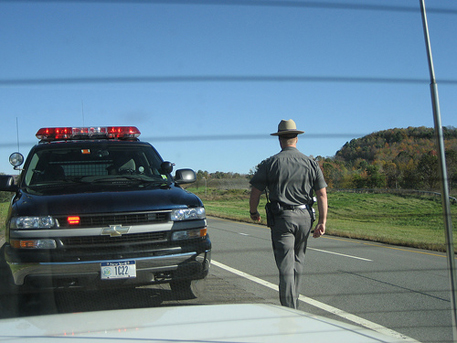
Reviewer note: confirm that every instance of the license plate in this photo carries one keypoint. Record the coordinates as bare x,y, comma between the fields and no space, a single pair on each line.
118,270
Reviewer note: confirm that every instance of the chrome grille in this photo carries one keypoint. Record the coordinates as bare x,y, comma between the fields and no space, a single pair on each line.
151,237
105,220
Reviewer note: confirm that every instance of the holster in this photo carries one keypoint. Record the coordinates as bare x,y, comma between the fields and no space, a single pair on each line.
272,209
269,215
312,214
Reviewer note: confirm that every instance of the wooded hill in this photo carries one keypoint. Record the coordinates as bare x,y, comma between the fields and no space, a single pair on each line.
395,158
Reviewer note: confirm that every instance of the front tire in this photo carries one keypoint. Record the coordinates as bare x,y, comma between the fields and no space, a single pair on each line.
9,293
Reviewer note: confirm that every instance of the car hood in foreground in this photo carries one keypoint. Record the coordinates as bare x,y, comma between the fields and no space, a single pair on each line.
209,323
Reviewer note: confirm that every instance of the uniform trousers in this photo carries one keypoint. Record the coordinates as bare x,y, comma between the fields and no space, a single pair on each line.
289,236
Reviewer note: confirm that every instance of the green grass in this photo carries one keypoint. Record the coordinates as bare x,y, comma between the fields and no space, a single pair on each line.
3,212
388,218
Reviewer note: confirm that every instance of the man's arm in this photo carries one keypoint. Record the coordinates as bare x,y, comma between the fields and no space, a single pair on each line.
254,203
322,207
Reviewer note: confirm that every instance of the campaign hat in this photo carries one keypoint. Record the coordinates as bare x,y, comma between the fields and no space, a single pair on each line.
287,128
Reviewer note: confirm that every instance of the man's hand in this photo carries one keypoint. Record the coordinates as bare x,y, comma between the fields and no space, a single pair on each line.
254,199
322,207
255,216
319,230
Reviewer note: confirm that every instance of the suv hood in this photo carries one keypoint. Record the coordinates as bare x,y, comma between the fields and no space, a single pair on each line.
100,202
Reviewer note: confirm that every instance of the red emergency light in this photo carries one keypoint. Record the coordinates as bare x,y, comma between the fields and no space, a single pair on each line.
68,133
74,220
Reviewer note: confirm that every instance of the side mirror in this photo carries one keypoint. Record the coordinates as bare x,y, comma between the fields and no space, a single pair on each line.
166,167
16,159
185,176
7,183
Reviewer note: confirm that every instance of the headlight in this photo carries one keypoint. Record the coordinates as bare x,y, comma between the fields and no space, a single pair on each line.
188,214
46,222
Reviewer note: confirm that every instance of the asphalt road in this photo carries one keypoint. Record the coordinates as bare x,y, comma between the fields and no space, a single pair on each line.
405,290
394,290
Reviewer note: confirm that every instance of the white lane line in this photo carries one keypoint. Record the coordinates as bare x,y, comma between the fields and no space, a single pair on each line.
243,234
336,253
348,316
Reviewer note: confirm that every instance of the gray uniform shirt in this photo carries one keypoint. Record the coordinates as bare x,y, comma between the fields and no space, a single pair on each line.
290,177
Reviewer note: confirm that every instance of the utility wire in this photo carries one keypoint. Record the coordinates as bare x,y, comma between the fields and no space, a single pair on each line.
214,78
259,3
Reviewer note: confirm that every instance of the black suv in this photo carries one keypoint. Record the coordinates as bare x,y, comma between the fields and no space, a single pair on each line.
94,208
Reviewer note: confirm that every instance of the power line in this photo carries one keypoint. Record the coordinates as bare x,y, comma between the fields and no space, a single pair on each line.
260,3
214,78
222,137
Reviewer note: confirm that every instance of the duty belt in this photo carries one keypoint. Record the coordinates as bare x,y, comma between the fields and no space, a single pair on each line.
293,207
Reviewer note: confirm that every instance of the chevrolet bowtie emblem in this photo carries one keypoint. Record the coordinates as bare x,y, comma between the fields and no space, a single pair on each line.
115,230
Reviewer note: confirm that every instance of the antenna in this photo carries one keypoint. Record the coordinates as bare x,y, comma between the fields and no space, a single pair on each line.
17,134
82,110
439,136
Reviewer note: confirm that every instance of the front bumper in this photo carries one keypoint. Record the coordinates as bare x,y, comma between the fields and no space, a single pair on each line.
86,274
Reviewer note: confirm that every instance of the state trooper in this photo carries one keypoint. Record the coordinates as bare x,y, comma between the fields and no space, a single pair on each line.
290,179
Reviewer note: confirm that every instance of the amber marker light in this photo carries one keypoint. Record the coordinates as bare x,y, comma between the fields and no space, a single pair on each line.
33,243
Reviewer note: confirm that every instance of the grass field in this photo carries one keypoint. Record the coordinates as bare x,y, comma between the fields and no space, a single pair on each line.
3,212
395,219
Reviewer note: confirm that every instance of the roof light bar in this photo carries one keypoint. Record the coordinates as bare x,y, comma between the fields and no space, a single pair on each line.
67,133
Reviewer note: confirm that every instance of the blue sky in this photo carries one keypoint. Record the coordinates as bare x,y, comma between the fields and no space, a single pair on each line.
168,69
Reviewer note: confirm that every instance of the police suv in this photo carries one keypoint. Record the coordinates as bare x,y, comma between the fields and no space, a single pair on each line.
95,207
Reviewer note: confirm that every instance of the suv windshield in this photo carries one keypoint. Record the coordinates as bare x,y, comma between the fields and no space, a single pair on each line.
94,163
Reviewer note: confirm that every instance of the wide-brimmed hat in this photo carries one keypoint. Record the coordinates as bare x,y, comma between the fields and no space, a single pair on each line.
287,127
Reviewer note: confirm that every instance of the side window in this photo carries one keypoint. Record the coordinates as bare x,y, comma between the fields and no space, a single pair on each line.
30,175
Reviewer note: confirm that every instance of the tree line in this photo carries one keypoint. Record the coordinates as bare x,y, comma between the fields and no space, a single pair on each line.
399,158
395,158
